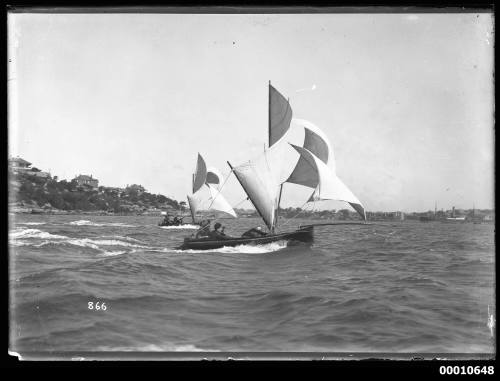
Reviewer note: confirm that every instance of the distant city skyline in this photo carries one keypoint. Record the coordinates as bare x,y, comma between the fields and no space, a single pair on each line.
405,99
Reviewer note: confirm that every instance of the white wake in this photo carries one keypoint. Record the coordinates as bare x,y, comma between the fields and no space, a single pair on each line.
90,223
242,249
187,226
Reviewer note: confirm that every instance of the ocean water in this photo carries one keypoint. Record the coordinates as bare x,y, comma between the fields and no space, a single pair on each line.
387,287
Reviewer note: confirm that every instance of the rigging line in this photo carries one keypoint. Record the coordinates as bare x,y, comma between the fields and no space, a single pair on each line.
241,202
291,218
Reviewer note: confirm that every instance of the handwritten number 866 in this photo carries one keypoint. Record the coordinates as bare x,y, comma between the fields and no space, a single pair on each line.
98,306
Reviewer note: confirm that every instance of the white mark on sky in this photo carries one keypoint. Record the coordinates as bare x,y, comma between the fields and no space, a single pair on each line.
306,89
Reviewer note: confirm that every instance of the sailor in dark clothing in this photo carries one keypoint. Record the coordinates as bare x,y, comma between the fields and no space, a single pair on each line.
205,229
177,220
218,234
166,220
254,233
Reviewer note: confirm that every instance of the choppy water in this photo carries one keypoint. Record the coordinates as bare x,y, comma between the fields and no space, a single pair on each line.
387,287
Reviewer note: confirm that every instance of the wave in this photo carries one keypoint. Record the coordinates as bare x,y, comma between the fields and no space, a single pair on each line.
24,237
157,348
187,226
242,249
112,253
33,233
90,223
129,239
87,242
31,223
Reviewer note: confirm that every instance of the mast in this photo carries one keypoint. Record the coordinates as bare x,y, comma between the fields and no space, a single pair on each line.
269,115
278,207
191,210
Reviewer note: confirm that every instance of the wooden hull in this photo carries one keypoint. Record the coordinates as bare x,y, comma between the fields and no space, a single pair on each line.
304,235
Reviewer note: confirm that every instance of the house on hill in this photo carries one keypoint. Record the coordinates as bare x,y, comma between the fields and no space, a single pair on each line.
19,165
138,189
85,180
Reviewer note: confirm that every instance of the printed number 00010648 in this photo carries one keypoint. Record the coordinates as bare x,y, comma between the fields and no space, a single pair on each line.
97,306
467,369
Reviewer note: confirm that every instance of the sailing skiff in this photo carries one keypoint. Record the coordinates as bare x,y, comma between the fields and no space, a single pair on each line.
302,235
315,169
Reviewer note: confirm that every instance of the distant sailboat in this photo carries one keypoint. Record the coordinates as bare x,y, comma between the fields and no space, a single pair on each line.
260,183
206,195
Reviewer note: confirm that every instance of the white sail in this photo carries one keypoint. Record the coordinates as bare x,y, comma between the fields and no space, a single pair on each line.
208,198
218,202
194,206
205,194
329,185
259,184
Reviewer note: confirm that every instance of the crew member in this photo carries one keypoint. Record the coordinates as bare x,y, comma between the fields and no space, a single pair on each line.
254,233
166,220
218,234
205,229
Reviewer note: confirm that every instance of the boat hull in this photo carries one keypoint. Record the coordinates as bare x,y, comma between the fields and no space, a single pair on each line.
303,235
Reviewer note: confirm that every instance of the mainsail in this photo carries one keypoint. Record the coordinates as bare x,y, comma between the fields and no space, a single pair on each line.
259,184
206,196
312,170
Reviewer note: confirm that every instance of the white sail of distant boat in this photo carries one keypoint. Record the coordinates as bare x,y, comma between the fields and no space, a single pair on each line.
206,195
311,170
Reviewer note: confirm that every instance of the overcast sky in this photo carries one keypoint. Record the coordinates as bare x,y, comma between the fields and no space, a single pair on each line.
406,100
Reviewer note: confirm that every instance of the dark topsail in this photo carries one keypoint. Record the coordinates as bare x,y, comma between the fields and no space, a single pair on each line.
200,175
280,115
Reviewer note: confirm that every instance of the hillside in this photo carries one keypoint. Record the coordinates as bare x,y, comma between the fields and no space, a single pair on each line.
27,191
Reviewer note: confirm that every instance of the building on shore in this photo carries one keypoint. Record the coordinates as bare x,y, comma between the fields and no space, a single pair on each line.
18,165
85,180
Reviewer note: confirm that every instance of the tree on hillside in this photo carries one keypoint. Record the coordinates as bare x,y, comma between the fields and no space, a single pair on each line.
182,205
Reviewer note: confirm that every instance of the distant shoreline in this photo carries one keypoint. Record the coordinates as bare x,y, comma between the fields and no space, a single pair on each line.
84,212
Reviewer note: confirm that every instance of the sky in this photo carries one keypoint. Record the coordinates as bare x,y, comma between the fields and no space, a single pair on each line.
405,99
